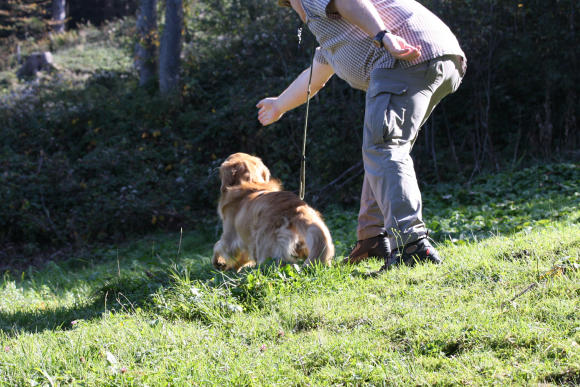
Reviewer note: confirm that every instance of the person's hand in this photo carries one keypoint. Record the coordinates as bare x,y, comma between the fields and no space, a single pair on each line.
269,111
399,48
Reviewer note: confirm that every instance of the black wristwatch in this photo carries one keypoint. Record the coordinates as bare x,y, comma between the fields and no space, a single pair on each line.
378,39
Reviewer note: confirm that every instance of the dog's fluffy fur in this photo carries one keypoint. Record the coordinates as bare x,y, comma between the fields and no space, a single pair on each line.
261,221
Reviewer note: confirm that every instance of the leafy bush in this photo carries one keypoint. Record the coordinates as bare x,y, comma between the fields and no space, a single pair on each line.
90,171
504,203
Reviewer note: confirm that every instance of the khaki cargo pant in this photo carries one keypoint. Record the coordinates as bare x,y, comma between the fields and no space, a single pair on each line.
398,102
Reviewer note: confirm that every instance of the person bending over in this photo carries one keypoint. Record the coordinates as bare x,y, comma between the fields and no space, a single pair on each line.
407,60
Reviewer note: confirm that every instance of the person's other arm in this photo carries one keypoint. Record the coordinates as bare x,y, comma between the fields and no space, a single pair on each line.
363,14
272,109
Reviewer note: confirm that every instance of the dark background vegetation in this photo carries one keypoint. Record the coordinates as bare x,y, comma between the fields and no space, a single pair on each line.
108,160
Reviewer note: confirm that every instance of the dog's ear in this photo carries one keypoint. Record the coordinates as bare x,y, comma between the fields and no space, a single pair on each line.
232,174
257,171
266,174
228,176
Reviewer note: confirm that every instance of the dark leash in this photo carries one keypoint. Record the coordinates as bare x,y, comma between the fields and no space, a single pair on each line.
302,190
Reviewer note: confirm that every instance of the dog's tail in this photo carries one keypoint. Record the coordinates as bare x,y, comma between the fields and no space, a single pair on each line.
319,243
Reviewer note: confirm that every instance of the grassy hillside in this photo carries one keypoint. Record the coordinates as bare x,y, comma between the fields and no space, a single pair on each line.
503,309
88,156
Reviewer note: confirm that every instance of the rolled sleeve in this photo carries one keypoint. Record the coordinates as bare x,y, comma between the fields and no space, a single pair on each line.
316,7
319,56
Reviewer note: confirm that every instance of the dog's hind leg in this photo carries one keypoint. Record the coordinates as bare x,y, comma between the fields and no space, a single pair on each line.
319,242
259,253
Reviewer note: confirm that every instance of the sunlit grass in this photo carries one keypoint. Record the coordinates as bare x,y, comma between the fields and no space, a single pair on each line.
89,58
78,55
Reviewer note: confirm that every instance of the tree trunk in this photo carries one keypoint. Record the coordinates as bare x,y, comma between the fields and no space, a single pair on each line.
58,15
145,51
108,10
170,50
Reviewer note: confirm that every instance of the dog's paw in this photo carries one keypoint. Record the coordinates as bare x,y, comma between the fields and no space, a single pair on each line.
220,263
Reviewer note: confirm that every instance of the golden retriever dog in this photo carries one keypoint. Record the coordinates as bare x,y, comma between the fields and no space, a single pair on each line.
261,221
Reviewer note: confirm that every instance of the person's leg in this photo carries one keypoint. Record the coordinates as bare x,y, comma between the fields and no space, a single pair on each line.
421,250
370,218
398,103
372,241
393,180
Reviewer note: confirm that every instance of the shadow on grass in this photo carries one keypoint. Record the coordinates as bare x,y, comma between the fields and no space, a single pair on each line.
126,293
570,377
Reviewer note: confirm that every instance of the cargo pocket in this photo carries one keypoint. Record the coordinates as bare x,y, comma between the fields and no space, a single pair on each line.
378,99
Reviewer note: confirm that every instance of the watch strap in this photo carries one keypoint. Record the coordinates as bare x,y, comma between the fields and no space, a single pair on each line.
378,39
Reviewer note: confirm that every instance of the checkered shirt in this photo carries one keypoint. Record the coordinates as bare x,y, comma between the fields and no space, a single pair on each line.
351,52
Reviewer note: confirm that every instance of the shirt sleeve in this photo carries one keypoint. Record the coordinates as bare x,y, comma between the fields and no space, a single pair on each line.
319,56
315,7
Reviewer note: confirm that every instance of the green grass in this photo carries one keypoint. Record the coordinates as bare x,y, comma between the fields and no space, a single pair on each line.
93,57
154,312
143,314
78,55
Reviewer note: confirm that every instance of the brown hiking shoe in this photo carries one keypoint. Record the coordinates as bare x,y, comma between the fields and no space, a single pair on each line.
366,248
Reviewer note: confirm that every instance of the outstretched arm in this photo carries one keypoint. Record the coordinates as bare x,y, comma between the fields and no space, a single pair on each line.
272,109
364,15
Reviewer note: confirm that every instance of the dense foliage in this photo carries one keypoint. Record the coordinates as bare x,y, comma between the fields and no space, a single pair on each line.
87,155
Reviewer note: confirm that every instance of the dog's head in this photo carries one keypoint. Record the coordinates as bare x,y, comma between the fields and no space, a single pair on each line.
243,168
